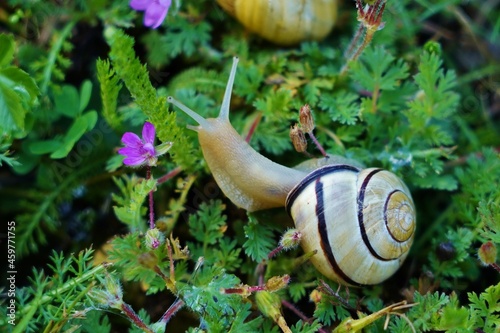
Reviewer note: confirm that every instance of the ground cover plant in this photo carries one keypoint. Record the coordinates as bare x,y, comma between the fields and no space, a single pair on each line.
113,222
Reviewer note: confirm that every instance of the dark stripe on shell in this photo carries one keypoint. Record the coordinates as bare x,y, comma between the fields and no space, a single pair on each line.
361,199
385,217
323,232
316,174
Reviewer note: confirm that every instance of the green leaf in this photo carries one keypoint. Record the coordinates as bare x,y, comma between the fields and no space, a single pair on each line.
85,92
259,240
376,70
110,87
7,48
80,126
18,93
44,146
342,106
207,225
67,101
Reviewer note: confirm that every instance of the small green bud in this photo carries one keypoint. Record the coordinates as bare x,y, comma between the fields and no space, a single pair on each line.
112,292
163,148
277,282
105,299
100,297
433,47
269,304
154,238
290,239
487,253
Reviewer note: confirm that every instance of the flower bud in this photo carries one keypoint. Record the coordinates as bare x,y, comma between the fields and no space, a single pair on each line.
488,253
290,239
269,304
277,282
315,296
306,119
298,139
154,238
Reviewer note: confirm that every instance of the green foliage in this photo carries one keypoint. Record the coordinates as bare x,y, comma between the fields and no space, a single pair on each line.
208,227
135,77
18,91
110,87
259,240
130,209
422,109
53,296
444,313
52,66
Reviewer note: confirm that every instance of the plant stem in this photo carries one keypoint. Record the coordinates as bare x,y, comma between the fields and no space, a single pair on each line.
172,310
171,174
130,313
151,201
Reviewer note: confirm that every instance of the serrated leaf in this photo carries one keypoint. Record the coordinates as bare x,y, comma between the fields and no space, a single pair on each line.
7,48
438,182
377,70
259,241
341,106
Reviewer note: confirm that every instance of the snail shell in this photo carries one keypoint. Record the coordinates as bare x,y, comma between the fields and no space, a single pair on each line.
362,222
285,22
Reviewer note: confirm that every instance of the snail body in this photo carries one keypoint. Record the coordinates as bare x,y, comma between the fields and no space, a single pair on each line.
285,22
361,222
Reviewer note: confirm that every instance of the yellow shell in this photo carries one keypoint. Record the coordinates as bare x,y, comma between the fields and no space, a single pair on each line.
361,222
285,22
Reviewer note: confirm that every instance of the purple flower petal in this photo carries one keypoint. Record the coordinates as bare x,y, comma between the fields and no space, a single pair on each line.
132,140
154,15
128,151
166,3
149,149
140,4
148,133
134,161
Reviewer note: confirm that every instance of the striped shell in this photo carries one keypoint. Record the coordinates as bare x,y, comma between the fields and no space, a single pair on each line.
285,22
361,222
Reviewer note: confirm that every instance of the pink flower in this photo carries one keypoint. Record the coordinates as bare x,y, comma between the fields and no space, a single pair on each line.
156,10
139,151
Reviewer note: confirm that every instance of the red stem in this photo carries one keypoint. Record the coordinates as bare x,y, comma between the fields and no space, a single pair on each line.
169,175
130,313
151,201
496,266
172,310
253,127
318,145
298,313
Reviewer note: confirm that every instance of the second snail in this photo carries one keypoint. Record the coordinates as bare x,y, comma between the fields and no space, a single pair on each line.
284,22
361,222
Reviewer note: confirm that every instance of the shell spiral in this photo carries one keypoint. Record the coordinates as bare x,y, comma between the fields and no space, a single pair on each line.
361,222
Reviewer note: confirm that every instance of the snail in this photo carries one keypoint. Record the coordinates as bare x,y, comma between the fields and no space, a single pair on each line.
285,22
360,221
